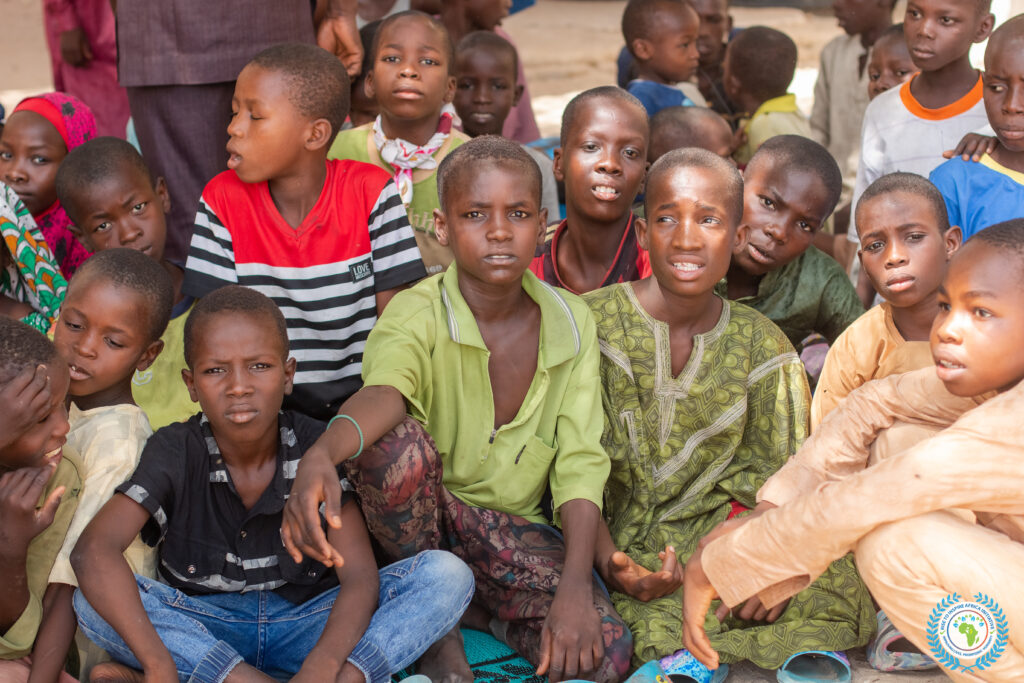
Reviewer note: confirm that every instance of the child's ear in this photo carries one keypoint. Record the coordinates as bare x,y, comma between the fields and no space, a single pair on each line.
149,355
954,239
517,96
542,218
441,227
187,377
449,90
642,49
289,375
161,192
985,28
556,164
319,134
368,88
640,228
742,234
728,25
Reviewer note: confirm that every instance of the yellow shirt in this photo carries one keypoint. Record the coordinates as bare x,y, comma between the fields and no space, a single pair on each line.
18,640
159,390
108,441
870,348
777,116
428,346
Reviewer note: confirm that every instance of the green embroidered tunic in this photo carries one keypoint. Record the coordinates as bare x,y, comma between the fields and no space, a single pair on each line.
684,448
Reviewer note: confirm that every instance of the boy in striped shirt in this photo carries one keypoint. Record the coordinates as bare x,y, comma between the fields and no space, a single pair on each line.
327,241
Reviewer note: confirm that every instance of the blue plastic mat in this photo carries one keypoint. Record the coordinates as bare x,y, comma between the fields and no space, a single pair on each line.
495,661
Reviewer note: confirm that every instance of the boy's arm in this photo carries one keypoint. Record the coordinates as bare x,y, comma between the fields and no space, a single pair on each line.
108,584
571,643
397,263
571,640
355,604
377,410
20,522
211,253
396,363
842,444
780,552
56,633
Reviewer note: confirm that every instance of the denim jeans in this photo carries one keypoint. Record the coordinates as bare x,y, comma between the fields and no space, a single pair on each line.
421,599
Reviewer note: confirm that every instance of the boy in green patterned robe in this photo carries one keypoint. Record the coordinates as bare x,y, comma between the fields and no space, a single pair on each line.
704,399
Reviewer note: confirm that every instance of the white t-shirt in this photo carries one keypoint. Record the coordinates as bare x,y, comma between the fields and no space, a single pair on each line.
899,134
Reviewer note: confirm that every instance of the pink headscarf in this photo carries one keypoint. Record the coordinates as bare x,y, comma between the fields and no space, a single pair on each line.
74,121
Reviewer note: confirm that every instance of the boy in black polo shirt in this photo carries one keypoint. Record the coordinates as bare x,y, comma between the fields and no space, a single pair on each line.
209,494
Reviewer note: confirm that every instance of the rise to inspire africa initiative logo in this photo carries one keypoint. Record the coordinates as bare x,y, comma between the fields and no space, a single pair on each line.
967,635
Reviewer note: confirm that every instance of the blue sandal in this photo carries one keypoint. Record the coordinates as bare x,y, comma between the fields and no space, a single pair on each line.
814,666
683,667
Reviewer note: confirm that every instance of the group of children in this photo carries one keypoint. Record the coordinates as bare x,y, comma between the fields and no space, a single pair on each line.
427,401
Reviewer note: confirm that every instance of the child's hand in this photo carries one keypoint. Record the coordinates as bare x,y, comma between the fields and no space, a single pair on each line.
697,596
25,401
753,610
339,36
316,482
571,643
973,147
640,582
20,521
74,47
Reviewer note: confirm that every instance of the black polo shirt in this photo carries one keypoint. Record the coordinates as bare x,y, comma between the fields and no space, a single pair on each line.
207,541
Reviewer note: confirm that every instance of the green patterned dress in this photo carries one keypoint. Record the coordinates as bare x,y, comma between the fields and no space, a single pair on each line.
684,448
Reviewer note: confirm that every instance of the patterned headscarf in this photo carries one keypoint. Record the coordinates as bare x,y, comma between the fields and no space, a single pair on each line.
74,121
31,275
405,156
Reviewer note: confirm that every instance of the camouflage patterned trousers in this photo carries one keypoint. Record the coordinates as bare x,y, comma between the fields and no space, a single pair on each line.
517,563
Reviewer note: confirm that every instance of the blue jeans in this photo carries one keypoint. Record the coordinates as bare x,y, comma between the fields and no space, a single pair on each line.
421,599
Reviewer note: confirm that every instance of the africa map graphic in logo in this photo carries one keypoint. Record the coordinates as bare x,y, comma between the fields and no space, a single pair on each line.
966,635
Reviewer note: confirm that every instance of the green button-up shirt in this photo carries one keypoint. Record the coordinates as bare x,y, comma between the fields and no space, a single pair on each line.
428,346
809,294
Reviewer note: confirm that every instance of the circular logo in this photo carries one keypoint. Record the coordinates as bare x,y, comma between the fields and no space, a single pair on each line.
973,630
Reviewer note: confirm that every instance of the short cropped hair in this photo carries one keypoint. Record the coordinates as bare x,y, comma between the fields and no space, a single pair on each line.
912,184
318,84
1011,31
137,272
449,46
798,152
94,162
607,92
489,40
1008,237
894,31
640,19
694,157
232,299
684,126
764,61
486,148
21,348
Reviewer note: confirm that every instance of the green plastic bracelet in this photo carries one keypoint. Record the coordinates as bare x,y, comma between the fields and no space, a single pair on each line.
354,424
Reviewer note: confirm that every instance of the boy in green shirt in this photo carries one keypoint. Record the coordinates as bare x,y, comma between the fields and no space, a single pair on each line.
481,392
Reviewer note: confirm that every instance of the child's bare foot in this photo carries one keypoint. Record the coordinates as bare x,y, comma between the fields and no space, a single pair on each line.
112,672
445,661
